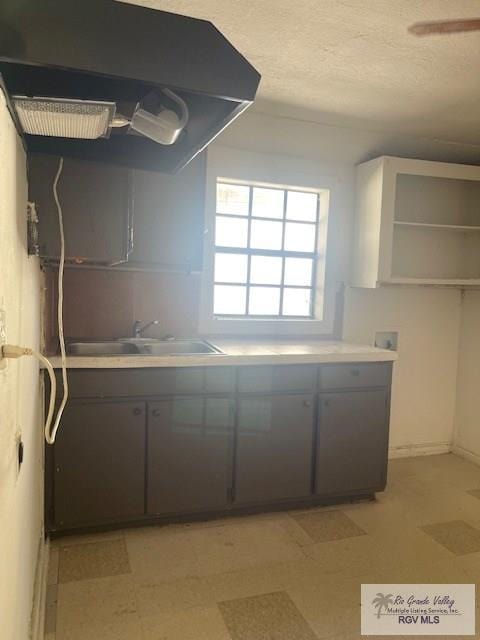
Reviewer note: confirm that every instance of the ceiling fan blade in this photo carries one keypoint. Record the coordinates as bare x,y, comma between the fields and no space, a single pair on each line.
445,26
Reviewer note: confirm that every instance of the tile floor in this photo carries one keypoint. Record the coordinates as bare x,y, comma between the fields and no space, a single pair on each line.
284,576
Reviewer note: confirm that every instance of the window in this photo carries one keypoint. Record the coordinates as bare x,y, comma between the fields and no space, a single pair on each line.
265,251
268,270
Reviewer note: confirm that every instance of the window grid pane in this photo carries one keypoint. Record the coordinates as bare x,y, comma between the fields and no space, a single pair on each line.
231,232
268,203
266,270
266,234
261,295
264,301
302,206
232,199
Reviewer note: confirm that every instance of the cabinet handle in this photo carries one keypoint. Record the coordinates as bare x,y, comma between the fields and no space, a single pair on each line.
307,403
326,403
137,411
355,372
156,412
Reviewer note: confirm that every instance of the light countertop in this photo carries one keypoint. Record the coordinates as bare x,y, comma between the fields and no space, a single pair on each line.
242,352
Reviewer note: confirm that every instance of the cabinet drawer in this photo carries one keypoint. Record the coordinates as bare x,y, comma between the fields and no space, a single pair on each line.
280,378
104,383
350,376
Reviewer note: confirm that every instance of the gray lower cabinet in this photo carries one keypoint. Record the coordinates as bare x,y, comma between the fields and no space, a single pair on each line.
189,454
352,441
139,444
274,447
99,463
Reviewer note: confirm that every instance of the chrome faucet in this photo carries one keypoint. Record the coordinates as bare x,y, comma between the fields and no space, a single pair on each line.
138,330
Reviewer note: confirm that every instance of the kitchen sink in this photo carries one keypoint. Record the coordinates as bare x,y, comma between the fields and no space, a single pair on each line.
101,348
177,347
137,347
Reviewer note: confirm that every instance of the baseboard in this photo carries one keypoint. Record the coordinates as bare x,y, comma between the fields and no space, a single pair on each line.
37,622
465,453
424,449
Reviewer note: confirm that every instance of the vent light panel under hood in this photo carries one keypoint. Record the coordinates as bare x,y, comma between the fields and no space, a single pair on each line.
119,83
64,118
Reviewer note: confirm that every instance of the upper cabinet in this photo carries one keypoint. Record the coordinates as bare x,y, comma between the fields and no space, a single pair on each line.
96,209
417,222
168,218
113,215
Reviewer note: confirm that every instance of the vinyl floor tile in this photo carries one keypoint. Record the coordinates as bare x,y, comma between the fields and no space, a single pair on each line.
93,560
99,601
196,623
325,526
265,617
280,576
457,536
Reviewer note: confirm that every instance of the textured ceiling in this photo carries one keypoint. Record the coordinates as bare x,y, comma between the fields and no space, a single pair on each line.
352,62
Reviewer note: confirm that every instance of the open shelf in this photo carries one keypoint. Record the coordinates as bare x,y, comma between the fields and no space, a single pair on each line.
446,227
435,254
444,282
436,225
418,223
433,200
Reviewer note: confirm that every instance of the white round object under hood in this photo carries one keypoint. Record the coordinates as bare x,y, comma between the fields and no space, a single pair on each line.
163,128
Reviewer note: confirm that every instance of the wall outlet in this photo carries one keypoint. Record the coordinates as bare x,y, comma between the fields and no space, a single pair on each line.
387,340
3,336
20,453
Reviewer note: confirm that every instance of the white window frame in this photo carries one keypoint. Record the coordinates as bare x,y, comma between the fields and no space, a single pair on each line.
239,166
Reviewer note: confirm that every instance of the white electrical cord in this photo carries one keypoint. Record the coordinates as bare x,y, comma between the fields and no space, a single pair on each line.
14,351
50,436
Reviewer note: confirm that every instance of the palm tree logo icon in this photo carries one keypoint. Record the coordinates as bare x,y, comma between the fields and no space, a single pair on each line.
382,602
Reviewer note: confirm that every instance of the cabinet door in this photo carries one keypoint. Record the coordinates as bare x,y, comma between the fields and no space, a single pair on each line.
189,453
96,207
274,447
99,459
168,217
352,441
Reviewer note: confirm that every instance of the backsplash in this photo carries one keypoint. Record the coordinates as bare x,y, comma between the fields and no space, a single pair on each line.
104,304
100,303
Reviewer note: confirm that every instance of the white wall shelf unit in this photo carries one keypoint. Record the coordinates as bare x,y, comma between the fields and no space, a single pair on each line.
417,223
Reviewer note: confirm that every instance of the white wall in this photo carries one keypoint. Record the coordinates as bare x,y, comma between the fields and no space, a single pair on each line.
467,420
256,131
424,383
428,320
21,492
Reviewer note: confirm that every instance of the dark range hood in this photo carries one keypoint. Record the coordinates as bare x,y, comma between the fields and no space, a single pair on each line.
157,68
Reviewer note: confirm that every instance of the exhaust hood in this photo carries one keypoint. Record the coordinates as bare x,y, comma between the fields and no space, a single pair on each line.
106,81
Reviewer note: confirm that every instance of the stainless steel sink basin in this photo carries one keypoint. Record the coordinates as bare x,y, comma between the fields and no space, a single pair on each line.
141,347
178,347
101,348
